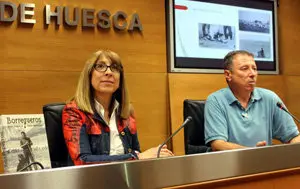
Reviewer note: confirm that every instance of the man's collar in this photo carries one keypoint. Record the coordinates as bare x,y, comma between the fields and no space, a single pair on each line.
230,96
255,96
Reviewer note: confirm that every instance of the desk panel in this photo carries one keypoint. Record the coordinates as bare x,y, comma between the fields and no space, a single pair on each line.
159,173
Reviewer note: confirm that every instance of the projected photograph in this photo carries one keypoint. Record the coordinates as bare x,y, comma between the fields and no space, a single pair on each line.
253,21
202,32
258,45
216,36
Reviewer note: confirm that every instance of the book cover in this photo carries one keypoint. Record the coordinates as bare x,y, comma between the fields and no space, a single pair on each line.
24,141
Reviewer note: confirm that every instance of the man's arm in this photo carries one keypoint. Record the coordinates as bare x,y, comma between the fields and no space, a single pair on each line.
296,139
218,145
215,124
25,144
29,141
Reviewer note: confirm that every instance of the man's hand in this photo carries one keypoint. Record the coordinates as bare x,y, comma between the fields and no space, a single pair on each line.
261,143
295,139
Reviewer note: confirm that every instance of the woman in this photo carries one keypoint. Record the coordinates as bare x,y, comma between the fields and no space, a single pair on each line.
98,123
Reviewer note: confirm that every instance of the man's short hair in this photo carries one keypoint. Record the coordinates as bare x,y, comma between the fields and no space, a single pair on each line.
229,58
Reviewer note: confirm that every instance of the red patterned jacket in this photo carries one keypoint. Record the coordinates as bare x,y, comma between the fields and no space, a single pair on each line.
88,139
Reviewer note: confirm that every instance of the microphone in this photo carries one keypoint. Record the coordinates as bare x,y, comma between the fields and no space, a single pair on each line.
280,105
188,119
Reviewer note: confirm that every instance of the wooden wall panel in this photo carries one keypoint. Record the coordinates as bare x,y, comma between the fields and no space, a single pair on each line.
274,83
27,91
189,86
150,103
285,85
289,44
65,49
199,86
292,90
148,95
41,64
289,38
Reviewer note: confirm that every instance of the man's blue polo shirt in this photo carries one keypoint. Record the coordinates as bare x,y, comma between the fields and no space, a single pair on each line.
262,120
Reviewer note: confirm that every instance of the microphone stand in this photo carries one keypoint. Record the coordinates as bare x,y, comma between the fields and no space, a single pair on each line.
188,119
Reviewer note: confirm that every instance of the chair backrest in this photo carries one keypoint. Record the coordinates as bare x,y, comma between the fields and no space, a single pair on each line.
194,132
57,147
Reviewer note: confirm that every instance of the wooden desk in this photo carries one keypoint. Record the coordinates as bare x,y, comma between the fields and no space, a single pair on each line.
288,178
265,167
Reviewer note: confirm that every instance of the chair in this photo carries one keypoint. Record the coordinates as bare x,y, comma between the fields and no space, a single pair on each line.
57,147
194,141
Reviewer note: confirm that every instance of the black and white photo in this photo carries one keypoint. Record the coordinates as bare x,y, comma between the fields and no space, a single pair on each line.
259,45
216,36
24,142
254,21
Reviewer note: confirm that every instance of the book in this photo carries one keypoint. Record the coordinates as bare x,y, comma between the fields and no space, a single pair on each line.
23,141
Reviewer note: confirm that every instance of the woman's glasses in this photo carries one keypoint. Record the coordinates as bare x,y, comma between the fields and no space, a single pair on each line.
102,67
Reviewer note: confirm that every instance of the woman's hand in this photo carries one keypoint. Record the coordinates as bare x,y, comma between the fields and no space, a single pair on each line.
152,153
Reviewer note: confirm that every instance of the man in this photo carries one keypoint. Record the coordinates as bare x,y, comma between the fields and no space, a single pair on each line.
26,144
261,53
22,163
227,32
206,30
242,115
